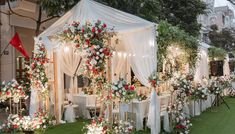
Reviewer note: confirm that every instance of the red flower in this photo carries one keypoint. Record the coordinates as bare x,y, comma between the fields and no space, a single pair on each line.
77,45
180,126
104,25
8,93
83,30
106,52
99,30
105,128
15,126
126,87
93,30
132,87
88,42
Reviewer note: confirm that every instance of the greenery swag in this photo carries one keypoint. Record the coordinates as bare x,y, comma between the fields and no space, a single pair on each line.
169,35
216,53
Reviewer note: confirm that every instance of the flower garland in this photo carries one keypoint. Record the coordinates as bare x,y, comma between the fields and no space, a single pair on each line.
121,89
184,84
123,127
101,126
183,88
93,39
12,90
200,92
37,71
97,126
181,122
215,86
15,123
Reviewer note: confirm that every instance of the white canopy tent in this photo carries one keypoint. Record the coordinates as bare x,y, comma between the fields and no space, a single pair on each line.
137,46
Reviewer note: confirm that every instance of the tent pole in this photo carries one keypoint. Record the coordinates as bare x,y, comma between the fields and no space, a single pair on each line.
56,107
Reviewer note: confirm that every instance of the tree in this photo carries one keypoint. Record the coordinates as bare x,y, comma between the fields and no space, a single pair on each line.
223,39
53,9
182,13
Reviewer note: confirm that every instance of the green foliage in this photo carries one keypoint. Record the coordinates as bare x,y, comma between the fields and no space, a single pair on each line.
216,53
182,13
57,7
224,39
169,35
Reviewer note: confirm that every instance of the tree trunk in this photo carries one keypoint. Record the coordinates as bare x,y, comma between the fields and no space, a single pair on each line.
39,21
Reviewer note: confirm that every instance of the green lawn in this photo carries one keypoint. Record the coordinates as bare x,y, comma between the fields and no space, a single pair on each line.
218,120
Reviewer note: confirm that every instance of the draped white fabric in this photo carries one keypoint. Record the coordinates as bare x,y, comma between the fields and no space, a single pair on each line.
69,62
202,67
34,102
119,65
140,46
226,67
154,113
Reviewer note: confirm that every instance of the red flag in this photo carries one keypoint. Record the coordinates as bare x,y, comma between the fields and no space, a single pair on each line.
16,42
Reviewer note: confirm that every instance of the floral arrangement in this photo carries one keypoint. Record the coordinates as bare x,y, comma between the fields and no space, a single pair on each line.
14,123
184,84
12,90
121,89
200,92
93,39
97,126
136,82
37,72
181,122
153,79
141,96
215,86
123,127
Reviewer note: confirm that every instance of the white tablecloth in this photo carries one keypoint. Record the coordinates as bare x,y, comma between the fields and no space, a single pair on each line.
140,108
82,101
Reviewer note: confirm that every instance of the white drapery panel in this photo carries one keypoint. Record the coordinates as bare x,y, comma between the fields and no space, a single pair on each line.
120,66
202,67
226,67
141,48
154,113
69,61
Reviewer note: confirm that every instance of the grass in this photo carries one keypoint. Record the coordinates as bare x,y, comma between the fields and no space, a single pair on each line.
218,120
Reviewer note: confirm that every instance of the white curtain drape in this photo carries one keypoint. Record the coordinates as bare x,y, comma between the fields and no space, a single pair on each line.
154,113
69,61
202,67
142,57
226,67
120,66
